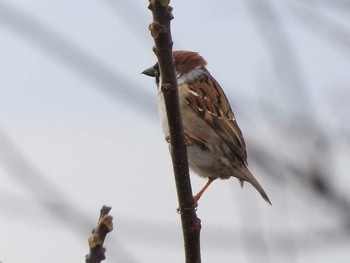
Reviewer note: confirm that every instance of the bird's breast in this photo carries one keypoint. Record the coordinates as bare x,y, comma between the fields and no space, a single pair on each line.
162,113
192,123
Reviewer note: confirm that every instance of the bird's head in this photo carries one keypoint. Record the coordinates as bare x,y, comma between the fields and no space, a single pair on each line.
186,64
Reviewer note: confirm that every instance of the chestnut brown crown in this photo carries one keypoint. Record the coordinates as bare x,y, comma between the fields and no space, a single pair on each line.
185,62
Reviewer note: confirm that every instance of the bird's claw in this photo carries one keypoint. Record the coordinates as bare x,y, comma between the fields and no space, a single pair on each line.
194,207
187,140
167,139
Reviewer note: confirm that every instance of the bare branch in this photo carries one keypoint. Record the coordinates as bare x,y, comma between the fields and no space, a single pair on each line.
160,31
99,233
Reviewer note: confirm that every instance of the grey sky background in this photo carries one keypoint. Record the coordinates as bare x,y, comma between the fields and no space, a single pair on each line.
79,128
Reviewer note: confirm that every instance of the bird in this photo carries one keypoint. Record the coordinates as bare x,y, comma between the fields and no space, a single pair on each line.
215,143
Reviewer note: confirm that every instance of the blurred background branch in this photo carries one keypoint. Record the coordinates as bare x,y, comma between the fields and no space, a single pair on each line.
290,57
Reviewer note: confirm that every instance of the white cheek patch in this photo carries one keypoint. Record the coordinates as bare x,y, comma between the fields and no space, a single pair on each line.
189,77
160,83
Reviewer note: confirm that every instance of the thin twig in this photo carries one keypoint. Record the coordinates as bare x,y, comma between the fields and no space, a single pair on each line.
160,31
99,233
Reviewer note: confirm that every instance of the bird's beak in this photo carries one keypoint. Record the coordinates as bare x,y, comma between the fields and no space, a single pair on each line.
149,72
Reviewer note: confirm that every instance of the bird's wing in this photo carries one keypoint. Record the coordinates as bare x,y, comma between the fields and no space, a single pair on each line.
208,100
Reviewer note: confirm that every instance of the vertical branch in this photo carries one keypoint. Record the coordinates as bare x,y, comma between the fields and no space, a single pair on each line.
160,31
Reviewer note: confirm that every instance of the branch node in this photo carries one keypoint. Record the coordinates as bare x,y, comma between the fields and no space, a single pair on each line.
163,3
166,87
195,225
107,221
170,14
155,50
156,29
170,44
94,241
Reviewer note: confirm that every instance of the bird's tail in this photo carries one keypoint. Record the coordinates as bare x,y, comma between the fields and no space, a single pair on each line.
249,177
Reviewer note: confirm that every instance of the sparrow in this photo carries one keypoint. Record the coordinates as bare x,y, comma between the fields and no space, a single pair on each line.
215,144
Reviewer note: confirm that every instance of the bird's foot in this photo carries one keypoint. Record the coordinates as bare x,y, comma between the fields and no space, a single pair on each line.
194,206
167,139
187,139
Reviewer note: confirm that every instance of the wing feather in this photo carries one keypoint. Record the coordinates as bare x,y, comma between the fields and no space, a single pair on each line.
208,100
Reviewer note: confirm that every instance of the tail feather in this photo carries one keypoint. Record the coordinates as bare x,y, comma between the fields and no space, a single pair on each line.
241,182
251,179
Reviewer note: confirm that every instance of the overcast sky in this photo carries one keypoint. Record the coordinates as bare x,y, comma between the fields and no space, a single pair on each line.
79,129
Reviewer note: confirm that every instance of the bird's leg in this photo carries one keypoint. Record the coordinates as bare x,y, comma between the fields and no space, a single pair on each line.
198,196
205,187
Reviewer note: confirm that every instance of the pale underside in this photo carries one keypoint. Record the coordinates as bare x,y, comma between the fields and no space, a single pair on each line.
206,160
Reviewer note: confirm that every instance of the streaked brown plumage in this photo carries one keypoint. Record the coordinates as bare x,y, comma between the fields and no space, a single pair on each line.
216,145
